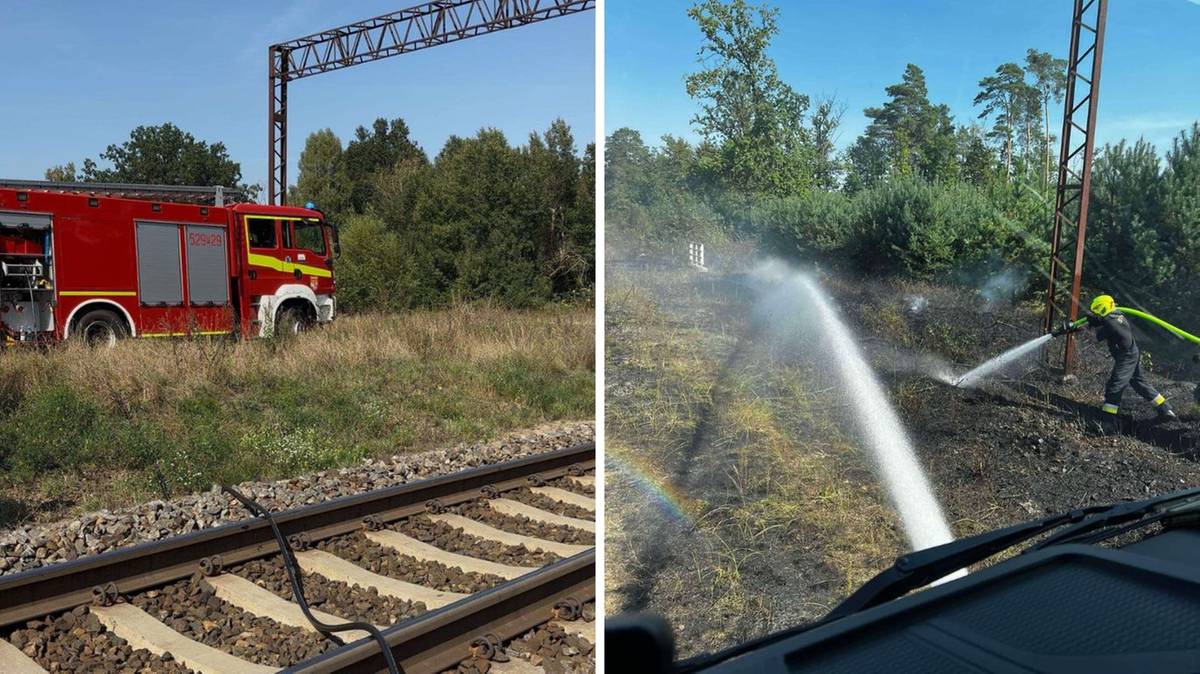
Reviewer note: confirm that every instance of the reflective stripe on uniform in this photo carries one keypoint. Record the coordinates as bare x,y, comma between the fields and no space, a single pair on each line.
1110,408
1160,400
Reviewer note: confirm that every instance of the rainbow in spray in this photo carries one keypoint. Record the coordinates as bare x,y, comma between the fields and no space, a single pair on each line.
667,498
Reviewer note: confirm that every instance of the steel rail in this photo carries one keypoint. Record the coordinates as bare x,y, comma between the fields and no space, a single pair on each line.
61,587
438,640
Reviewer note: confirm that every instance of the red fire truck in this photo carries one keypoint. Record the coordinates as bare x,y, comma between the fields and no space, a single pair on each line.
100,262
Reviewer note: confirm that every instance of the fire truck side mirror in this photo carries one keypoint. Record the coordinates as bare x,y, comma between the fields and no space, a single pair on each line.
329,262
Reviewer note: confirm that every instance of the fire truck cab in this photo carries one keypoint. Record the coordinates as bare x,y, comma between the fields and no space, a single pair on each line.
102,262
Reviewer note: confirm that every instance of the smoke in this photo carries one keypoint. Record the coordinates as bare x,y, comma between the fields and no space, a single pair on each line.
1003,286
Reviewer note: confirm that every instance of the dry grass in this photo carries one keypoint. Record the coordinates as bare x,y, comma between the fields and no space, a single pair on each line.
156,370
799,473
784,483
172,415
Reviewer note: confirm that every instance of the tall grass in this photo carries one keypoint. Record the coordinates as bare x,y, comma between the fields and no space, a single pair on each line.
167,416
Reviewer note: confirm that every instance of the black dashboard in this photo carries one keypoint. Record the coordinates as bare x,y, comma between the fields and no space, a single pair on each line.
1064,608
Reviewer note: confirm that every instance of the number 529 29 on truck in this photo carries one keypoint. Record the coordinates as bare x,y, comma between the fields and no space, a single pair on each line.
102,262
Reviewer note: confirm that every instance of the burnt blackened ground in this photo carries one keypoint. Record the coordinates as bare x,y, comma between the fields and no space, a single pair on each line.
1024,444
739,501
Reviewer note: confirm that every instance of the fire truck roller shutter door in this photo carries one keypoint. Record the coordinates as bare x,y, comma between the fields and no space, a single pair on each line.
159,281
208,277
30,220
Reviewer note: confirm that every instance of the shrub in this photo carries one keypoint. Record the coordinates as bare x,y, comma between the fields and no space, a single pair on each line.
52,428
373,268
817,223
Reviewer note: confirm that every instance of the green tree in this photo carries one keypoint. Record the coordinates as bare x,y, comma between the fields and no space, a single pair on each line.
62,174
675,164
555,170
754,120
907,136
1125,211
421,277
626,157
1181,200
583,228
374,270
481,206
166,155
1005,96
381,147
1050,81
977,160
826,119
627,185
867,160
323,179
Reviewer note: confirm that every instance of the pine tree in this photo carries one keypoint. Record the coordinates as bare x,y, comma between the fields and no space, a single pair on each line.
1050,81
1005,96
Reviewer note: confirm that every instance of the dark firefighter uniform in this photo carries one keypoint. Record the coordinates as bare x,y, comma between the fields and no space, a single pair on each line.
1112,327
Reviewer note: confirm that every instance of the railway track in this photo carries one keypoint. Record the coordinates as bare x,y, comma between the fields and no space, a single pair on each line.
487,570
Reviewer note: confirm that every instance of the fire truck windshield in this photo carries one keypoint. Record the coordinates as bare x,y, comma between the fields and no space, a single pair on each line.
310,234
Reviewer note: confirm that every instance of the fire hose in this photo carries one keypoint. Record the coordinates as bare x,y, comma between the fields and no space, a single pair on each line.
1174,330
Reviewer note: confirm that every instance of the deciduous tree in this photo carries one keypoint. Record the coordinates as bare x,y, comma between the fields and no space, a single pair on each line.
166,155
64,173
381,147
323,179
754,119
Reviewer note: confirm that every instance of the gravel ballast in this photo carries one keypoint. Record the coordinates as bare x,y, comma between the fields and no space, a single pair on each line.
519,524
194,611
386,562
548,646
33,546
77,642
550,505
446,537
349,602
571,485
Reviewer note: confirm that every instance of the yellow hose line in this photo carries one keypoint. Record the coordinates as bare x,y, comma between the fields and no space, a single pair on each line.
1182,334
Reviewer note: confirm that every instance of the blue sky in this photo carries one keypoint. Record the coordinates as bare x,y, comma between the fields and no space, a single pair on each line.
80,77
853,49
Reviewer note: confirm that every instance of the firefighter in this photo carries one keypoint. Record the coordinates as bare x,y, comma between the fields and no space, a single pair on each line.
1112,327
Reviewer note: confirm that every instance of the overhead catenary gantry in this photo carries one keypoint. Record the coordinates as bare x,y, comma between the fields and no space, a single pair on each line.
418,27
1075,164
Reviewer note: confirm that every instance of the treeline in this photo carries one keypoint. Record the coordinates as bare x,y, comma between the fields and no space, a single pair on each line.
482,220
917,193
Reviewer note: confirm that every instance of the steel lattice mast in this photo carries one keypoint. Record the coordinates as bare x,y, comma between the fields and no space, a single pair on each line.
1075,162
419,27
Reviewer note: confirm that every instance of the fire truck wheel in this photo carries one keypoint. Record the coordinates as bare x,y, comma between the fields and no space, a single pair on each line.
292,321
101,328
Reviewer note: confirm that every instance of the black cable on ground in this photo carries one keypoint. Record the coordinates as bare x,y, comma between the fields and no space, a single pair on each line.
293,572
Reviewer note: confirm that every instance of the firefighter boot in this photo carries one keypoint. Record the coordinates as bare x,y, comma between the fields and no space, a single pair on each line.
1108,423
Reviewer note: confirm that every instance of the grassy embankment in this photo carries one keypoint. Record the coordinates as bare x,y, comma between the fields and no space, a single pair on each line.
82,428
